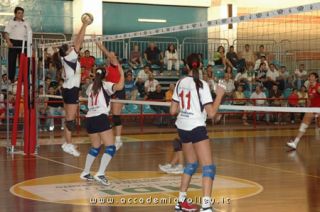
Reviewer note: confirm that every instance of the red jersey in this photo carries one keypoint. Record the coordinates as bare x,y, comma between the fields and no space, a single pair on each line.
314,95
113,74
293,99
87,62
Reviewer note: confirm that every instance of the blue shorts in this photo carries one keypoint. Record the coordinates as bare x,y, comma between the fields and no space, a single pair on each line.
195,135
97,124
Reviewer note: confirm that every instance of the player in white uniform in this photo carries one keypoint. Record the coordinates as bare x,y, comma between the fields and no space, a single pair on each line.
67,58
192,98
98,126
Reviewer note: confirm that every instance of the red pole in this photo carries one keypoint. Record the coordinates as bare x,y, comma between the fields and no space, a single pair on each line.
33,115
26,114
17,103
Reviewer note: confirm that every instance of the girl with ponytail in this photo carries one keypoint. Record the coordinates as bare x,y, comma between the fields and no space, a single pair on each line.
192,98
98,126
66,60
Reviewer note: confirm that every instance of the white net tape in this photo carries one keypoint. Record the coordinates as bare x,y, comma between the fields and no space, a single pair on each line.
222,107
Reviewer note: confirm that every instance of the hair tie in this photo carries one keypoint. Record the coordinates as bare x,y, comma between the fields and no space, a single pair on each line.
194,65
99,71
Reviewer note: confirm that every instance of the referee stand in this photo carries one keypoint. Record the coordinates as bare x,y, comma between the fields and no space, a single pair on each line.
26,79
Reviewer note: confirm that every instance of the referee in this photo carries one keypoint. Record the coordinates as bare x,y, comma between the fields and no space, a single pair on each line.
15,33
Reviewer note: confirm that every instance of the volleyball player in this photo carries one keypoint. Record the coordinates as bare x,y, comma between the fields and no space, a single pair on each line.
192,98
114,77
67,58
98,126
313,101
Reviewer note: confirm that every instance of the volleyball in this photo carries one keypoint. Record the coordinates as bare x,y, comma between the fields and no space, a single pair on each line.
87,18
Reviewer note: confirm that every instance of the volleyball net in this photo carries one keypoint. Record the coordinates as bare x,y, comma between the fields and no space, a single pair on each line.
286,37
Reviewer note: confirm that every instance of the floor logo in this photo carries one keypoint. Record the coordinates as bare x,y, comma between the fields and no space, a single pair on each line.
132,188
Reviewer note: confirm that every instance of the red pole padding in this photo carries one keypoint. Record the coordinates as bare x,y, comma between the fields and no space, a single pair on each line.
26,112
17,103
33,115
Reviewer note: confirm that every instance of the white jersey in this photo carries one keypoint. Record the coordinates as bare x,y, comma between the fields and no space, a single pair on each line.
191,104
97,104
72,70
18,30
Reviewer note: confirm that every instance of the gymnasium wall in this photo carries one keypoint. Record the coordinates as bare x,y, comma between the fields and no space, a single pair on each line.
44,15
120,17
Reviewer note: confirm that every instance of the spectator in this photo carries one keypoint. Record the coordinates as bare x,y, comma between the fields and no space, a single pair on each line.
2,108
135,57
154,56
276,95
42,108
158,95
4,83
293,101
239,99
232,56
169,93
142,77
301,76
248,54
84,87
171,58
272,77
55,107
261,52
229,86
261,74
261,60
303,98
51,72
87,61
220,58
259,99
151,84
130,87
15,33
283,78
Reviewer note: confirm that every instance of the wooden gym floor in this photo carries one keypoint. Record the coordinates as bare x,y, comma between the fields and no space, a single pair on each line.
255,173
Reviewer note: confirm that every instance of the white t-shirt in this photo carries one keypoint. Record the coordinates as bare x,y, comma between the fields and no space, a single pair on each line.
18,30
151,85
169,55
97,104
71,75
142,75
299,74
259,96
273,74
191,113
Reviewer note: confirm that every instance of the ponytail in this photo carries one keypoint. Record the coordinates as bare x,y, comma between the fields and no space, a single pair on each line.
97,82
56,61
193,61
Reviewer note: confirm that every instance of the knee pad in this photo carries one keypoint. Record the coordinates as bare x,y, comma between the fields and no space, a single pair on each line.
110,150
71,125
94,151
209,171
177,145
303,127
116,120
191,168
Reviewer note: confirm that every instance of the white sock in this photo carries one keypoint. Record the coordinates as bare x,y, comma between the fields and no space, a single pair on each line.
105,160
182,196
89,162
206,202
118,138
296,141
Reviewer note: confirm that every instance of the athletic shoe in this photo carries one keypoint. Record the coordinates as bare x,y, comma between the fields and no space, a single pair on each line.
118,144
86,176
178,169
101,179
70,149
209,209
165,167
292,145
185,206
